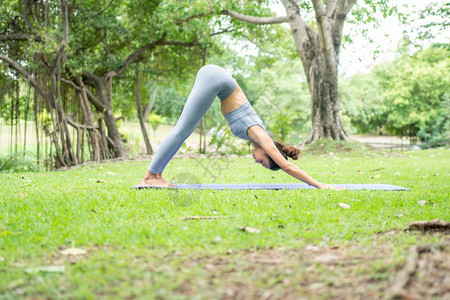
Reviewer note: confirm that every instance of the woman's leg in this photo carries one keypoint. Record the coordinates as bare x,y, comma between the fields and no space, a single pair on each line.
211,81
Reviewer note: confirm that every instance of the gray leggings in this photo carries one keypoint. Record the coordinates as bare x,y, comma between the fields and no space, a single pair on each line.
211,81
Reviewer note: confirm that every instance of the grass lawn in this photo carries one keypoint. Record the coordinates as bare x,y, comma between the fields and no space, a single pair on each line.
133,244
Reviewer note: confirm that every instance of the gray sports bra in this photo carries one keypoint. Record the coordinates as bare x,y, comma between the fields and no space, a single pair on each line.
241,119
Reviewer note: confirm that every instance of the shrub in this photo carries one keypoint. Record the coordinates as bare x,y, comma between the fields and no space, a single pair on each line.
19,162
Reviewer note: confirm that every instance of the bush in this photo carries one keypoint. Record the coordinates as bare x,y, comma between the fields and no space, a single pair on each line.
155,120
19,162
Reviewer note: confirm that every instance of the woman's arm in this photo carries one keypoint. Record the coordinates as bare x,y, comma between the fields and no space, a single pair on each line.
260,136
298,173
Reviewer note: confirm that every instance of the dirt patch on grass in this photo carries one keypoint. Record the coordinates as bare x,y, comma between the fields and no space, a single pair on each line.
355,272
425,275
433,226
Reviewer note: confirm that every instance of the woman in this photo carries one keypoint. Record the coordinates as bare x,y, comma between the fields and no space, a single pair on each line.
212,81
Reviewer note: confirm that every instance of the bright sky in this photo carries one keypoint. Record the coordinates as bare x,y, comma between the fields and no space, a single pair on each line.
358,57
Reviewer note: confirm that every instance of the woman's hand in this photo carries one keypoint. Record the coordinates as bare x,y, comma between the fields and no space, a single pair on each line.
330,187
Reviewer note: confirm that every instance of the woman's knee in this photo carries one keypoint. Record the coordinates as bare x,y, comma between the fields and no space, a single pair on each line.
183,130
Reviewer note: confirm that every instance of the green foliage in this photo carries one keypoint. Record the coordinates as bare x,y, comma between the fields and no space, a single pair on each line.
407,97
45,121
281,123
226,142
133,143
19,162
155,120
363,103
416,91
281,97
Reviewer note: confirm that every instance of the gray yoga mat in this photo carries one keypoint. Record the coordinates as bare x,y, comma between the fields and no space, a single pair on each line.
279,186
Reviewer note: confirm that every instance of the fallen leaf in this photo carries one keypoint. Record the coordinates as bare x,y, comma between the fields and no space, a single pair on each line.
49,269
249,229
204,218
312,248
343,205
377,176
326,258
73,251
110,173
100,180
421,202
317,285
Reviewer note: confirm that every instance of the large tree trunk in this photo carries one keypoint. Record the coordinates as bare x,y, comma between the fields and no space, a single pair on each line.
326,122
319,59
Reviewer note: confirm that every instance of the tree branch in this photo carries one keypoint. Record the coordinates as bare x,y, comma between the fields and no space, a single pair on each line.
98,105
228,29
325,38
178,22
106,7
25,17
322,25
343,7
19,37
76,125
330,7
134,57
13,64
76,87
254,20
57,61
137,55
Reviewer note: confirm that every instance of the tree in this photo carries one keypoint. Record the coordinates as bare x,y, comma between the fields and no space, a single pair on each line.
416,95
104,41
319,53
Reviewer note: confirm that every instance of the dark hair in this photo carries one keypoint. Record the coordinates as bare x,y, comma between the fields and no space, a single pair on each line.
286,151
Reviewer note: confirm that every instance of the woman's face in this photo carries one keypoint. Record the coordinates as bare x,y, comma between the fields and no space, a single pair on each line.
261,157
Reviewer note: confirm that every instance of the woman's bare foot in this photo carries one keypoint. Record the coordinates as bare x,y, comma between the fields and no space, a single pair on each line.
157,182
154,180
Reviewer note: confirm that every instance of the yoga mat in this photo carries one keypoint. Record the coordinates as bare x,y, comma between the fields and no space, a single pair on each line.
279,186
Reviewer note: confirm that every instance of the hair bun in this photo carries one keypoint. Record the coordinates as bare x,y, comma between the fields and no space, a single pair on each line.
291,152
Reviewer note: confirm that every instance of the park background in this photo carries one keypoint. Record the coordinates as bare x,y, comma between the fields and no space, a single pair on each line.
88,89
392,78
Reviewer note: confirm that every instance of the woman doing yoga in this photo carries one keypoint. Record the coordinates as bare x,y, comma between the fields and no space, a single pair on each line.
212,81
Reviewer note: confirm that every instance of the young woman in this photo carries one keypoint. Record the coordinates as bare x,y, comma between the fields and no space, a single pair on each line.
212,81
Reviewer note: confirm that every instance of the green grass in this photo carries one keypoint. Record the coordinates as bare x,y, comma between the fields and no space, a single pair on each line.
137,247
